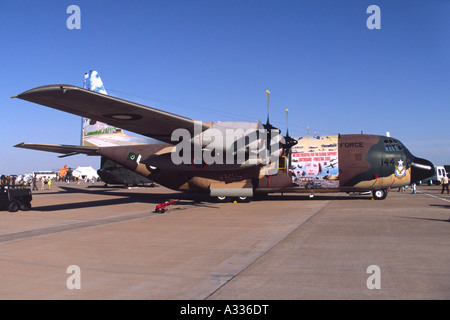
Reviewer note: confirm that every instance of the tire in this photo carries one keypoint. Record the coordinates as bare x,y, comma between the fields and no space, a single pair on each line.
25,207
379,194
243,199
13,207
221,199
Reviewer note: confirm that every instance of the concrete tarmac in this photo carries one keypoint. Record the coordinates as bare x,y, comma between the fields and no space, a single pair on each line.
333,246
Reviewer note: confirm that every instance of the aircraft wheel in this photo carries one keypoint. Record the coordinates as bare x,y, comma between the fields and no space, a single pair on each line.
221,199
379,194
243,199
25,206
13,207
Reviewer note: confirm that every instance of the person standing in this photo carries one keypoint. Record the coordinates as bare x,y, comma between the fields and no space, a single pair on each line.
445,182
34,183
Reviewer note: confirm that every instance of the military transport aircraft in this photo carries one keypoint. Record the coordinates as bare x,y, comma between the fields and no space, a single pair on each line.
234,160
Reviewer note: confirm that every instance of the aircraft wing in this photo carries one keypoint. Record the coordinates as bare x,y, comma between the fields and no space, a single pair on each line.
66,150
147,121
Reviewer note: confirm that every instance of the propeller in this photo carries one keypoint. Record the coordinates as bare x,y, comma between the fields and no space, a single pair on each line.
289,142
268,127
286,143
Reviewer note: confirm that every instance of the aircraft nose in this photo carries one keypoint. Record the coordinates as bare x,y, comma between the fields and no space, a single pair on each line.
421,169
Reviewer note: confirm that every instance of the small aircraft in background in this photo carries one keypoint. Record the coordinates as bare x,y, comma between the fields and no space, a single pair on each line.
233,160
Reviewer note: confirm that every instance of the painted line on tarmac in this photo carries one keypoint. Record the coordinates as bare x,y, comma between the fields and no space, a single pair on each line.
71,226
284,237
432,195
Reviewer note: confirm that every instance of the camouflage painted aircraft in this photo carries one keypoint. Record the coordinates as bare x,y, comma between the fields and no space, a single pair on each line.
268,163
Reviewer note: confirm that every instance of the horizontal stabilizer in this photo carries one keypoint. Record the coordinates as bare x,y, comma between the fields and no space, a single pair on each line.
67,150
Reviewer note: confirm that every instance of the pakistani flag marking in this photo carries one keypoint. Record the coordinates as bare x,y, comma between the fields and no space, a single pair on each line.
134,157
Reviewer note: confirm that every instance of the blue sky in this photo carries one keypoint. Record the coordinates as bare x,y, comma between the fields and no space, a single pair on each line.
213,60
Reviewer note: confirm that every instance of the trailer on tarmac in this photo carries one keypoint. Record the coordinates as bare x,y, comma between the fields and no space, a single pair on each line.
15,197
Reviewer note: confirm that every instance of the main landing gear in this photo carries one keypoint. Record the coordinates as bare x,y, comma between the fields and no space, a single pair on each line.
232,199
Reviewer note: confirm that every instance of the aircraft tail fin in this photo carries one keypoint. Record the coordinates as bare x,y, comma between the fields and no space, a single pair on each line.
93,82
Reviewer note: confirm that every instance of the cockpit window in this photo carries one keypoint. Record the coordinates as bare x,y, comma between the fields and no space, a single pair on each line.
393,145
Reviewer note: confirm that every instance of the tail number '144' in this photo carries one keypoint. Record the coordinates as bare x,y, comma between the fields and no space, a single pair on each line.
387,162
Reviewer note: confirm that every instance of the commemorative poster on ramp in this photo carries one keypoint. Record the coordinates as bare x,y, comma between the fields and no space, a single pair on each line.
314,163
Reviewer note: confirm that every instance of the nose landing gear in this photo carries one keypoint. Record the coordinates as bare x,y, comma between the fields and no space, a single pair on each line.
379,194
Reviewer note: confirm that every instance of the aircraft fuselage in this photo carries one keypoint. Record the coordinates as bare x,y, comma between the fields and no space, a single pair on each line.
338,163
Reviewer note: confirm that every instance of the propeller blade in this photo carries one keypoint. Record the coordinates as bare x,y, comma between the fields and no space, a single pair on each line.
267,100
289,142
259,125
287,123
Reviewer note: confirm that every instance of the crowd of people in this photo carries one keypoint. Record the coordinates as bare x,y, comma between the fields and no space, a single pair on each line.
43,180
8,180
39,182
